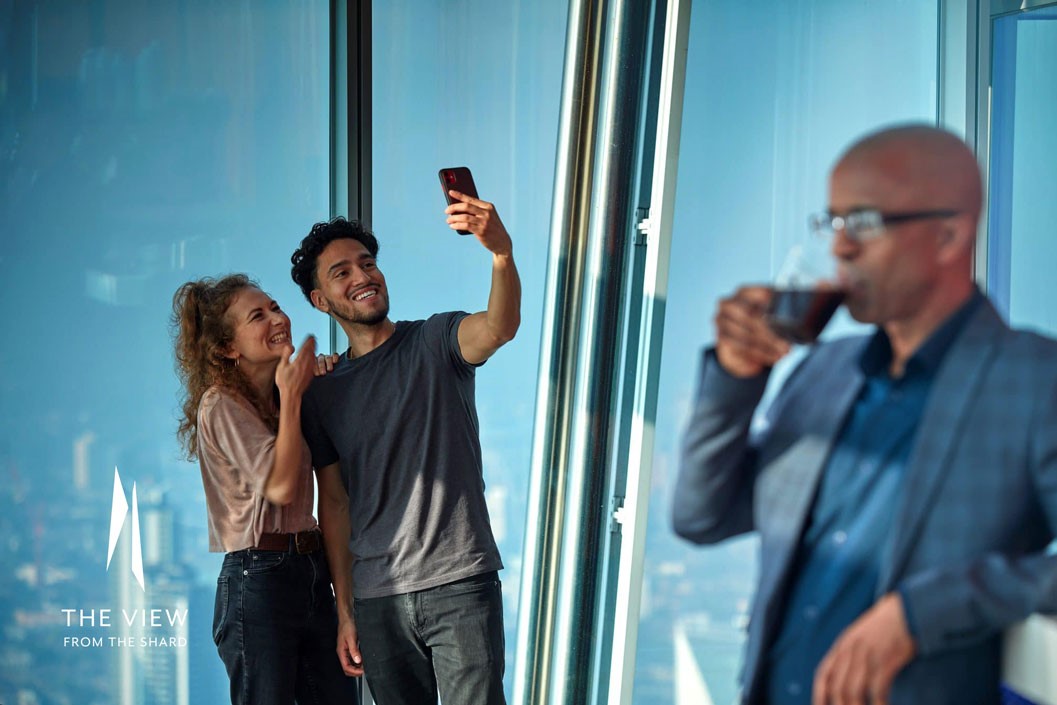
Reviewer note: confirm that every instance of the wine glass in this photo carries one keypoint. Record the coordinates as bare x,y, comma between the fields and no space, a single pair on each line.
806,292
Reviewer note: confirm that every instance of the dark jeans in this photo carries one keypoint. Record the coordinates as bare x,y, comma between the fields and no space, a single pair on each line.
275,626
447,639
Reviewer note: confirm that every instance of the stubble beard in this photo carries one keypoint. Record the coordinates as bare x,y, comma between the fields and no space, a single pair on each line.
346,311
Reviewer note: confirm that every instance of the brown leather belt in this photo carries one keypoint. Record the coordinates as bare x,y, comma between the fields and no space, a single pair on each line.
302,542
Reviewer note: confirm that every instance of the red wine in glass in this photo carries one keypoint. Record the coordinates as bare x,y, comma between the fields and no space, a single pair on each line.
800,315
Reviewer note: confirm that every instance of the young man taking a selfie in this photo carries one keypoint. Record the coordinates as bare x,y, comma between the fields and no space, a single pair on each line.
393,432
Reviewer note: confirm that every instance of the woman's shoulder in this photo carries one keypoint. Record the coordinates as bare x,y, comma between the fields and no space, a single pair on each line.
220,400
225,417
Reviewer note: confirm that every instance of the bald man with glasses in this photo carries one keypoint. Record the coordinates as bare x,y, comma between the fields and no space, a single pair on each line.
903,483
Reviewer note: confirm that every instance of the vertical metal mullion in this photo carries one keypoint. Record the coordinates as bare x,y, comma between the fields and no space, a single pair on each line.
979,67
609,619
350,117
574,445
360,107
595,435
963,96
665,138
562,299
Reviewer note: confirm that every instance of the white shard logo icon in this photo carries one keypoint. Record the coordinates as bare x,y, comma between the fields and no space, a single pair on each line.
118,513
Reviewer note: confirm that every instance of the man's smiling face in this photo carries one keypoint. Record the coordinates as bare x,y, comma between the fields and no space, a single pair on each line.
350,285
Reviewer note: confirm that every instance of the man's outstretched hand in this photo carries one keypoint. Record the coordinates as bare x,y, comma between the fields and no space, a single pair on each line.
479,218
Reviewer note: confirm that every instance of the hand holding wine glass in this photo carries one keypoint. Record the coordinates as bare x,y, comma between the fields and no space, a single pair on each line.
745,344
806,293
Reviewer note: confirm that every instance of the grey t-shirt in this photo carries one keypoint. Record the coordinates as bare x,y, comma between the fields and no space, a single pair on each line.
403,423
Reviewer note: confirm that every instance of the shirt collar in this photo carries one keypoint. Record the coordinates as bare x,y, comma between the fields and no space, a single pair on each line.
877,355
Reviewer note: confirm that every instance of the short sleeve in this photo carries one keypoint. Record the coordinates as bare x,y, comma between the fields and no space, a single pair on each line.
230,429
441,332
319,443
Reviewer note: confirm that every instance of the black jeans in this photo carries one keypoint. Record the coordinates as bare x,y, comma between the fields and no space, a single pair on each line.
275,626
447,639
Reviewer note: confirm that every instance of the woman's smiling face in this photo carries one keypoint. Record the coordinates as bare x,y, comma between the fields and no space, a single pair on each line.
261,329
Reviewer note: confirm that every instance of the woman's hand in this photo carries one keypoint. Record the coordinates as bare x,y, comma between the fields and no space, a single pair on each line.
292,377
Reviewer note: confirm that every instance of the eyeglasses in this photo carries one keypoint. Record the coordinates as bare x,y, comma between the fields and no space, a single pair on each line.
864,225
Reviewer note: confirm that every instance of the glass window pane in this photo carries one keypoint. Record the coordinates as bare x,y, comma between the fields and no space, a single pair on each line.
774,91
1021,249
472,83
141,145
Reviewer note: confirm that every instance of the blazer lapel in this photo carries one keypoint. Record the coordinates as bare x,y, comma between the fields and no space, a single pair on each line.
787,493
791,493
942,423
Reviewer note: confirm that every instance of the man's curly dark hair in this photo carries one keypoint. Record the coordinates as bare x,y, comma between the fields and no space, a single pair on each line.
322,234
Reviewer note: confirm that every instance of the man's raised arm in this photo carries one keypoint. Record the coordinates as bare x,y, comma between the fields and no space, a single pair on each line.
481,334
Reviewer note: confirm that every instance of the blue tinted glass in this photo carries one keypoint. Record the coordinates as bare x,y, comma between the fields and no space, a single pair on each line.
1021,210
141,145
774,92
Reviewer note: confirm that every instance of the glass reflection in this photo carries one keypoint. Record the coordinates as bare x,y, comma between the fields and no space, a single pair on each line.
141,145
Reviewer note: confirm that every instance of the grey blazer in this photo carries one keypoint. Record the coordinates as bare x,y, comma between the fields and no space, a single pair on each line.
969,533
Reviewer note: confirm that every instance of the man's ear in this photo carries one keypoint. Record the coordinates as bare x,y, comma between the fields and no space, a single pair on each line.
957,239
319,301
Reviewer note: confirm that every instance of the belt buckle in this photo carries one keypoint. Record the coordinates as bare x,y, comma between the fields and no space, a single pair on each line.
303,541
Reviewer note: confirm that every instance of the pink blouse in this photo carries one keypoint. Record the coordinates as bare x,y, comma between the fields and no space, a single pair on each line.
236,451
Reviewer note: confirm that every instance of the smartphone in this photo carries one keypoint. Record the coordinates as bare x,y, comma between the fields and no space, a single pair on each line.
460,179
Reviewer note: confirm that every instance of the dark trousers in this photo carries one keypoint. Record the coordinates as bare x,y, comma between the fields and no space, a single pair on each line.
448,639
275,626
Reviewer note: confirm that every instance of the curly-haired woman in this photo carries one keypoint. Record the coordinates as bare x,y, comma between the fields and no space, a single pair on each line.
274,623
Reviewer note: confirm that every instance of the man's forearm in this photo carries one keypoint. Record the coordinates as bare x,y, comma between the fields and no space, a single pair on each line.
334,522
504,299
715,480
336,544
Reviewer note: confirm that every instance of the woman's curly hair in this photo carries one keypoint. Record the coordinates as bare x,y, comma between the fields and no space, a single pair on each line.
202,332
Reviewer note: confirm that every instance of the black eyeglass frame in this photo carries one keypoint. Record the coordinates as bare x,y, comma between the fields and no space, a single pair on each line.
867,224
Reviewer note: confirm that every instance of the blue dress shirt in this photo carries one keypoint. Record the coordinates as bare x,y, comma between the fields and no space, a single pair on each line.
836,572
